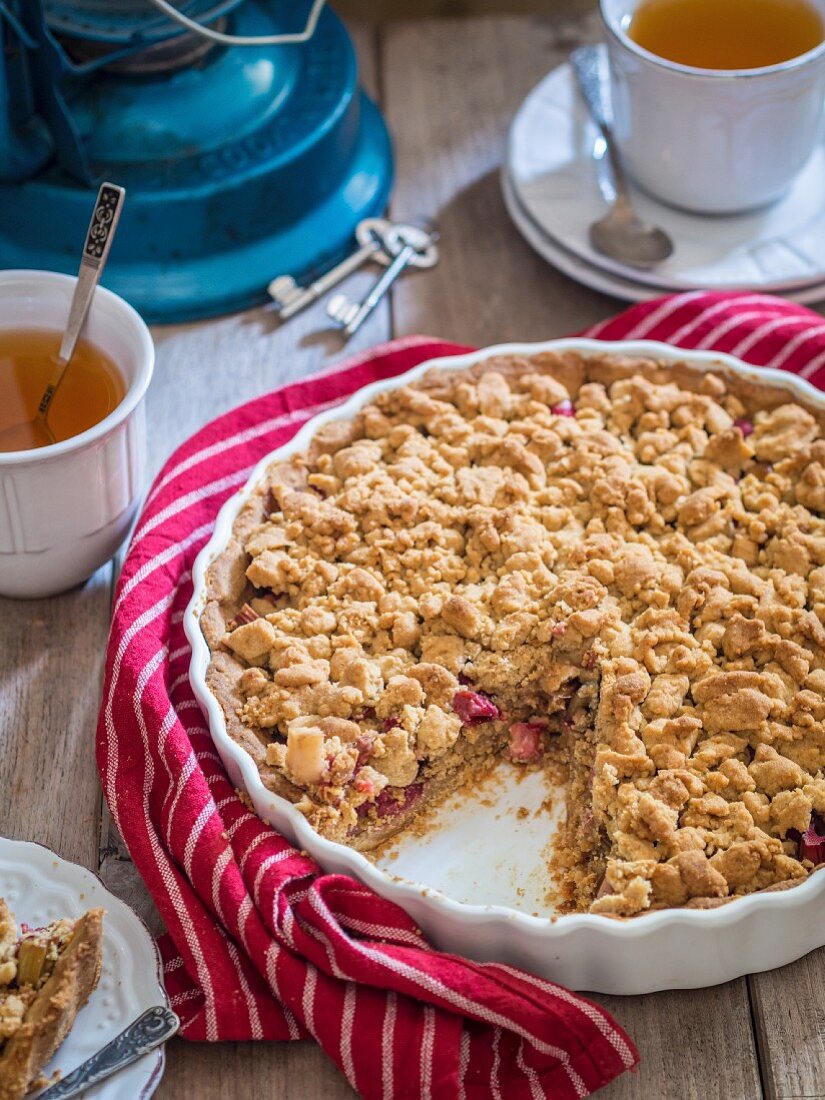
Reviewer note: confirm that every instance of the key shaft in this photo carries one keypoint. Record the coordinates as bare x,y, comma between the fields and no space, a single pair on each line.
378,291
332,278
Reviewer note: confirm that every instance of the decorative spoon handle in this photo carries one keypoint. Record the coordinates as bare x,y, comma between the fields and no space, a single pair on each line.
95,253
148,1031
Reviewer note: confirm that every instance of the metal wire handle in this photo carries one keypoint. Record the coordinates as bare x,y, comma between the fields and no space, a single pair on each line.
177,16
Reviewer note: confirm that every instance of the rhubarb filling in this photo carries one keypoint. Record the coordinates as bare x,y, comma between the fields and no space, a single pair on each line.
604,566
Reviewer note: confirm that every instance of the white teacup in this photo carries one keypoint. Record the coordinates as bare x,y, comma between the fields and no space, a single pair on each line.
65,509
711,140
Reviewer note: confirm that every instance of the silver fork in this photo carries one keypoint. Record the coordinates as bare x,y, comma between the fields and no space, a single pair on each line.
148,1031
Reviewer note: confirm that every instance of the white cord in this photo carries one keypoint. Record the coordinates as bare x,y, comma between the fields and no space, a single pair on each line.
242,40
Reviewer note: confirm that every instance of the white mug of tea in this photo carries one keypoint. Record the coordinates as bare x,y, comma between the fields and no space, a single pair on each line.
717,104
65,508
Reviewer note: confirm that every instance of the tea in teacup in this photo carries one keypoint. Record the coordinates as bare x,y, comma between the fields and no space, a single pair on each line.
727,34
91,389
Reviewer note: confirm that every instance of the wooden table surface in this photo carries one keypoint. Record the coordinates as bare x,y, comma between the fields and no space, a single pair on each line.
448,89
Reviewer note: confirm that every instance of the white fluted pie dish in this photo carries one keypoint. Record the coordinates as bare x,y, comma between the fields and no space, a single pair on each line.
478,888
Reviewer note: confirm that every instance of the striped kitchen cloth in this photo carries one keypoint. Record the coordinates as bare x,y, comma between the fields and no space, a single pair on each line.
261,944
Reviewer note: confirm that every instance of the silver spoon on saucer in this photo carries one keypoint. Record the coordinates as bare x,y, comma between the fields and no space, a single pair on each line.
37,432
620,234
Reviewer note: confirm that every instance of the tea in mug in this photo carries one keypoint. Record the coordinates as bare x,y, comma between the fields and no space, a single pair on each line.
727,34
92,386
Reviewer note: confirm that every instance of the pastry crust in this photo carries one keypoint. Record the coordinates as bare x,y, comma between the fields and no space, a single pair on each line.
609,562
52,1012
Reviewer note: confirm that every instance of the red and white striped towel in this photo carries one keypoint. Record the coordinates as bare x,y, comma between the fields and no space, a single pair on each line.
261,944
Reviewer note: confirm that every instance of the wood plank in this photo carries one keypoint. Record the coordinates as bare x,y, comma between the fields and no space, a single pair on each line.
121,877
694,1044
51,664
450,91
789,1013
204,369
449,110
243,1071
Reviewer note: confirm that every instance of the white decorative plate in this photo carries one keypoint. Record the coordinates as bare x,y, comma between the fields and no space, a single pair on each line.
41,887
475,882
555,176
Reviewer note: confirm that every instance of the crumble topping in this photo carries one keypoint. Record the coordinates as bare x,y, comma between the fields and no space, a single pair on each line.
27,961
606,560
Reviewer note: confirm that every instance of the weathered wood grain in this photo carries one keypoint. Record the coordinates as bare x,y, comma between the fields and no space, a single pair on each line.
120,876
251,1071
451,88
789,1015
51,664
695,1044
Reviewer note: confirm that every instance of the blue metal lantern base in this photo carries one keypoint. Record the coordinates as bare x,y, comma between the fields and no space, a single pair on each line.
203,286
259,162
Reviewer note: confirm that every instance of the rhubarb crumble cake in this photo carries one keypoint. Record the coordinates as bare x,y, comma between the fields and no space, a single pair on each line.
46,976
607,563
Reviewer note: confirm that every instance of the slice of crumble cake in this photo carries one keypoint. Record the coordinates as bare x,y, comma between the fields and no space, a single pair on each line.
46,977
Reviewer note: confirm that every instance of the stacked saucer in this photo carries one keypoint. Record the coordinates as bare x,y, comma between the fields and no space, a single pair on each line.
556,183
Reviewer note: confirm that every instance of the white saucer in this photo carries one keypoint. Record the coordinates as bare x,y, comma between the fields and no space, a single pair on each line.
627,289
40,887
565,261
555,177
